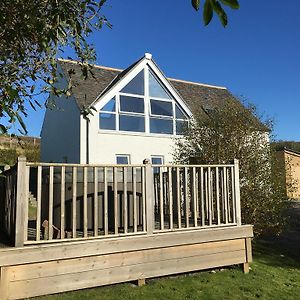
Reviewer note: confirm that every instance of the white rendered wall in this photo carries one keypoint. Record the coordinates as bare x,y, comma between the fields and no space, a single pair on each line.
105,145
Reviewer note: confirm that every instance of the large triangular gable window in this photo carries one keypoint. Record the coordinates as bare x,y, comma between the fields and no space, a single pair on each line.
144,105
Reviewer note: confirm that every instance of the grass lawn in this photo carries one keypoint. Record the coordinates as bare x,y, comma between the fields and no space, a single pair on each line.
274,274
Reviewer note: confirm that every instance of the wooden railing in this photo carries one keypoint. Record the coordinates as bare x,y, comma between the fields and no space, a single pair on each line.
196,196
60,202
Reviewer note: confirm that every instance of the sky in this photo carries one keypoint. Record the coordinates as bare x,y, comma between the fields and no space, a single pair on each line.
257,56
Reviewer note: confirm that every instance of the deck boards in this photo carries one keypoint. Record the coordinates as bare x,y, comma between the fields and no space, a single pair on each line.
56,267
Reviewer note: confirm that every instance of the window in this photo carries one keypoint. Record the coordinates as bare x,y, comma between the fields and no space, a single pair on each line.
131,104
123,159
161,108
164,126
110,106
107,116
133,109
107,121
136,85
132,123
157,160
156,88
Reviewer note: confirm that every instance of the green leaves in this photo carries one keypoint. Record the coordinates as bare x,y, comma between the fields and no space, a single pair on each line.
220,12
234,4
207,12
28,55
196,4
214,6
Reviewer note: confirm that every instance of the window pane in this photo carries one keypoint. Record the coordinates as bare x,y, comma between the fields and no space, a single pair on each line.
156,88
109,106
132,123
122,159
161,126
136,85
107,121
179,113
161,108
156,160
181,127
131,104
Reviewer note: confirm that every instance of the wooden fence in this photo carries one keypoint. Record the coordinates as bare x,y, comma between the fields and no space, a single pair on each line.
50,202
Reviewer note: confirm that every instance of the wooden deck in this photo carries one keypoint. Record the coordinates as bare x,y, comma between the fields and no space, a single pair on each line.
101,225
53,268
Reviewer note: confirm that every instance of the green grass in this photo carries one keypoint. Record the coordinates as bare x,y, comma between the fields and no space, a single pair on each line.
273,275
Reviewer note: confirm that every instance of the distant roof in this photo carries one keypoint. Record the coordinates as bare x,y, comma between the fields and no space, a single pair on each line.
290,146
197,96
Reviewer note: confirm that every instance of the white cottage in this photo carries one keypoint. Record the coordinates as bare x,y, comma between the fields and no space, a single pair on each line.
137,114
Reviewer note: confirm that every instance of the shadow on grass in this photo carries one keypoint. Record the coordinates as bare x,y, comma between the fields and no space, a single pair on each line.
274,253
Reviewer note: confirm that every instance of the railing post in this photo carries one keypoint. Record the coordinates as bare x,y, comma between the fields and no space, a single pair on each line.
21,202
237,192
149,189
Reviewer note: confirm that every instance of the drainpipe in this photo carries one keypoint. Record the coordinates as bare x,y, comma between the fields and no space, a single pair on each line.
87,141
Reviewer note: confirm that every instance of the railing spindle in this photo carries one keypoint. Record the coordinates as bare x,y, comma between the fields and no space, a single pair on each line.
85,212
228,195
178,188
27,176
125,202
233,195
206,194
134,200
62,203
115,184
74,198
195,197
38,203
96,209
187,206
50,223
218,196
161,199
105,201
225,194
202,184
170,196
143,182
209,196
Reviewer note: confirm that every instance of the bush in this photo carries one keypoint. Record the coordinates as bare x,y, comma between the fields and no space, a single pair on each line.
8,156
233,131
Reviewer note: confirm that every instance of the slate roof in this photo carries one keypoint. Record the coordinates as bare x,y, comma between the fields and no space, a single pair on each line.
197,96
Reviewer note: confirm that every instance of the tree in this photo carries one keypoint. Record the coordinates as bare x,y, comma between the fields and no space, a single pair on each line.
213,6
232,131
34,32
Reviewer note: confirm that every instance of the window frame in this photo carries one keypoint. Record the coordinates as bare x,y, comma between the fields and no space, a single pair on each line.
147,114
128,156
157,156
109,112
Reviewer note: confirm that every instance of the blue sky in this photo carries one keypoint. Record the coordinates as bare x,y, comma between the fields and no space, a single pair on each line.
257,56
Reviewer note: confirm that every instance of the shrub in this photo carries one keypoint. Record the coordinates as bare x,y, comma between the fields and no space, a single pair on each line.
233,131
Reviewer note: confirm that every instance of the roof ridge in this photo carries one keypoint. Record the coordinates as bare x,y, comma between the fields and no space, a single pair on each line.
198,83
169,78
291,151
94,65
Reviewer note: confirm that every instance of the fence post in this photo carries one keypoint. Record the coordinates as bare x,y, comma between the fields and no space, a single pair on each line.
149,189
237,192
21,202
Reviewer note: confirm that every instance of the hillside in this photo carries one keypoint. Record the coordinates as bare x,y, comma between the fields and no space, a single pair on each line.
13,146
